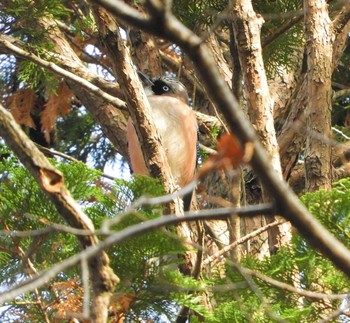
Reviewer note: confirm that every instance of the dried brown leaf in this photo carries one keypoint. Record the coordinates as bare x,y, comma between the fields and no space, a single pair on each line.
230,155
21,104
58,104
69,298
120,304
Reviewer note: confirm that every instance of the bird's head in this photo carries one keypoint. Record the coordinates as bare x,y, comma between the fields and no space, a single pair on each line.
167,86
164,86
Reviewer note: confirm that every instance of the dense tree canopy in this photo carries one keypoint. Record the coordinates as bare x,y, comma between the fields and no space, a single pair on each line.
267,235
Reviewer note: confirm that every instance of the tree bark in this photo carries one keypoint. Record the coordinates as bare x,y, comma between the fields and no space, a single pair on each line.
102,277
140,112
292,136
246,27
51,181
319,72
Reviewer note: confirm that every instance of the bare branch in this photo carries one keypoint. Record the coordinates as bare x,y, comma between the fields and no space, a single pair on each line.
217,256
35,162
85,280
331,316
281,30
342,18
175,64
341,93
53,152
267,209
9,44
319,47
51,182
292,289
138,104
128,233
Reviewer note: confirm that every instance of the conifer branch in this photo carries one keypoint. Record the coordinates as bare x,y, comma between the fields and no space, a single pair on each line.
9,45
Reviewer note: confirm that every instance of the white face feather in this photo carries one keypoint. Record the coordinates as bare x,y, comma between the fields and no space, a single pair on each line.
168,86
149,91
164,86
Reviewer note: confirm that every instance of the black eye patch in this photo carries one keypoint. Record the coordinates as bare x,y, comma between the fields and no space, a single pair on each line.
159,87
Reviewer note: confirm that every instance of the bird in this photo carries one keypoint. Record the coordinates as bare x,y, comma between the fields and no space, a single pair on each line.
176,124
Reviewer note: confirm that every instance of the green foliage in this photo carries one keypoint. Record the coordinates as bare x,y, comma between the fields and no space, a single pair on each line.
36,77
298,265
148,264
227,312
143,263
196,14
26,9
332,209
211,139
23,18
280,54
91,143
283,51
23,206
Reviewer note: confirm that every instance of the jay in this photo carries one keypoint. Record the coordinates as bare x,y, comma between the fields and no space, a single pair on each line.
176,124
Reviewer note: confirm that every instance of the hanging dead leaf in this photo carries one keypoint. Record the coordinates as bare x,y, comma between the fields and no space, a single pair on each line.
68,300
120,304
230,155
230,151
51,180
58,104
21,104
68,285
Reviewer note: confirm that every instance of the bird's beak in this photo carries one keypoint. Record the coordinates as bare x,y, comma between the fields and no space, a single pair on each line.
146,81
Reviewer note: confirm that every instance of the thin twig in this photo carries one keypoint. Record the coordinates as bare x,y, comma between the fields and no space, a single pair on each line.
54,152
292,289
246,273
128,233
211,214
217,256
86,288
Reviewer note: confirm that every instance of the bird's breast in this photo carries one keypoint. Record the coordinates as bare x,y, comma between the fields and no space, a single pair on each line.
177,127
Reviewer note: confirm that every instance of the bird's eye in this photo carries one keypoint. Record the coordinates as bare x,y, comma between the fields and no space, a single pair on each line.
165,88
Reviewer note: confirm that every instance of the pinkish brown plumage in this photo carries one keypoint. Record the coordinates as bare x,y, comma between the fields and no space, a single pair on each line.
177,127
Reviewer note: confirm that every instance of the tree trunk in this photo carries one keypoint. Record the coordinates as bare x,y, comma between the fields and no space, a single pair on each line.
319,60
102,277
246,27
